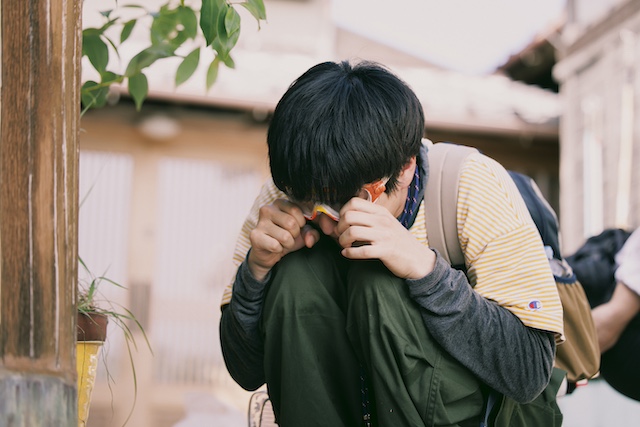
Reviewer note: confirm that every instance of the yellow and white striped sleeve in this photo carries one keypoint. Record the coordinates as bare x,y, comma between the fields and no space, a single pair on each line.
268,194
503,251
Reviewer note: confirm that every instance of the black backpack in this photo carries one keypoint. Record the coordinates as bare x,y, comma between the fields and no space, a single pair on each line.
595,265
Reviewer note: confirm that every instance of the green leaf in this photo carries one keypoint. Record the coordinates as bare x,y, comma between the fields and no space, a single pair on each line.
142,60
164,23
189,21
212,72
231,21
233,39
187,67
220,47
108,25
209,18
256,8
177,41
96,50
229,62
259,5
113,45
93,95
138,89
106,13
163,50
224,42
147,57
108,78
91,32
127,28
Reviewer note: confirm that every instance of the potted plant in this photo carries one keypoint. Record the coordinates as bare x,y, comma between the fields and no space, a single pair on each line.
93,315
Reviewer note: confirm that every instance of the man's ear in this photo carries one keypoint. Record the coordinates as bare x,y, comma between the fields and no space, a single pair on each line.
407,172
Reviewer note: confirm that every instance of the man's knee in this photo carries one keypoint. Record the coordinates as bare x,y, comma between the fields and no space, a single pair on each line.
305,282
371,280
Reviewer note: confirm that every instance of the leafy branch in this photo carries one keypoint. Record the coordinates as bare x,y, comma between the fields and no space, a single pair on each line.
173,26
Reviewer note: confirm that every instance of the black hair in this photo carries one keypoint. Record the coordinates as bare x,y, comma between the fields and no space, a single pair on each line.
340,126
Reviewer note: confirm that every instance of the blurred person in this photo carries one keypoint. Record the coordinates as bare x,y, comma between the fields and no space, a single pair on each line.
612,317
340,305
618,322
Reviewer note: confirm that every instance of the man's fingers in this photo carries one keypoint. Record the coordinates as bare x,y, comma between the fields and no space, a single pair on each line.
310,235
264,242
285,233
363,213
354,234
361,250
362,205
291,209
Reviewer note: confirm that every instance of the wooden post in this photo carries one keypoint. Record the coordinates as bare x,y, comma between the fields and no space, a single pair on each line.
39,122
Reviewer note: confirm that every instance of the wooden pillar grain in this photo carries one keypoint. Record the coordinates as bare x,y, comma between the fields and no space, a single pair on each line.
39,122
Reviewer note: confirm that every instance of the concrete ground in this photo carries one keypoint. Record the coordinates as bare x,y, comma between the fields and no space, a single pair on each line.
204,410
599,405
595,405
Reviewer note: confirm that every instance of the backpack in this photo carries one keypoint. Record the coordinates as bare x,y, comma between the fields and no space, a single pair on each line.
579,356
595,264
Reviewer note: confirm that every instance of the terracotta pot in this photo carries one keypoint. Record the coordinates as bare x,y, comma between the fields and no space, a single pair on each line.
92,327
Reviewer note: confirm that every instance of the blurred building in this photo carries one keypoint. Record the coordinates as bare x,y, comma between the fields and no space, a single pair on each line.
164,191
599,80
591,58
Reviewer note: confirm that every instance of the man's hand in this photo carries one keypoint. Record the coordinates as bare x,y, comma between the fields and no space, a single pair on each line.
281,229
369,231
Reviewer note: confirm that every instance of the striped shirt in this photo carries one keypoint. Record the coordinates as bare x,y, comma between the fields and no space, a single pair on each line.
503,252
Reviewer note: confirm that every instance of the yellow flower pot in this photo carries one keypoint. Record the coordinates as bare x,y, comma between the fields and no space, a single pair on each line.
91,333
87,366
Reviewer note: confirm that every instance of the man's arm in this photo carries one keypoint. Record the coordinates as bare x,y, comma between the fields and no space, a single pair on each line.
273,228
505,328
612,317
240,337
488,339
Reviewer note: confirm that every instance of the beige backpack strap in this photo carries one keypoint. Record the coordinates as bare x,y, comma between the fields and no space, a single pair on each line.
441,197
